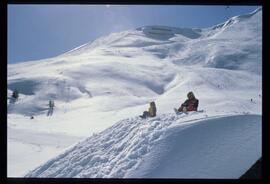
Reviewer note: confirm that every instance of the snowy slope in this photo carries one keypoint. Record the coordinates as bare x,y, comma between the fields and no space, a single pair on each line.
167,146
29,149
115,77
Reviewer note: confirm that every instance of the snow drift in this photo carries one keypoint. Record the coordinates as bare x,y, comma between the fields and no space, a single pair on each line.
167,146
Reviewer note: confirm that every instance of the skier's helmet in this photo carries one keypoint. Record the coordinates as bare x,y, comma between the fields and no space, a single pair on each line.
190,95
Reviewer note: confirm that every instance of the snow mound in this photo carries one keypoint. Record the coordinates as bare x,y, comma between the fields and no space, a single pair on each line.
169,145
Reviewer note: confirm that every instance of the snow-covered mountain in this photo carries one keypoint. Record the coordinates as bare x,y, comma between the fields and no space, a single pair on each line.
113,79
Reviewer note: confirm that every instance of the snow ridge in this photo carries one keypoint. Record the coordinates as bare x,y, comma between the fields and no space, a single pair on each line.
114,150
130,147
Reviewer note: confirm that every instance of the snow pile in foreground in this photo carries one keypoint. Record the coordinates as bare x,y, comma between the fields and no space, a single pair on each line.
168,146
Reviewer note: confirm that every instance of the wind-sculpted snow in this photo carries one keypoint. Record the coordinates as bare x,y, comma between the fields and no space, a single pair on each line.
165,33
220,46
167,146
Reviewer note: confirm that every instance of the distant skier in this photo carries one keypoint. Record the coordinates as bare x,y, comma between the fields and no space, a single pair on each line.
191,104
152,110
51,106
15,96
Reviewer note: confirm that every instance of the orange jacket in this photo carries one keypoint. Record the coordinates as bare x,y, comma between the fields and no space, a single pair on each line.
190,104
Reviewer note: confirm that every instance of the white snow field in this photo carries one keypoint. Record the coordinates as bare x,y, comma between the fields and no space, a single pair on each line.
167,146
100,88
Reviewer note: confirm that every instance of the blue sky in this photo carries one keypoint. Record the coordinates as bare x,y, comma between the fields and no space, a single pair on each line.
43,31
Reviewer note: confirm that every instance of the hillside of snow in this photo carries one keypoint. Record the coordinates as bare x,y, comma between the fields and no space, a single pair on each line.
114,78
168,146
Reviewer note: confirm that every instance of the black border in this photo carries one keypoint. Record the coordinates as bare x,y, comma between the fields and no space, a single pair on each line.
3,87
3,94
173,2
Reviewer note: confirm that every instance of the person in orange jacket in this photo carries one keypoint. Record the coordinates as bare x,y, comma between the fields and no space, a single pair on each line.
191,104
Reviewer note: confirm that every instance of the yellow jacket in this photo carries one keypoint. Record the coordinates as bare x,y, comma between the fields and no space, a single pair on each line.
151,111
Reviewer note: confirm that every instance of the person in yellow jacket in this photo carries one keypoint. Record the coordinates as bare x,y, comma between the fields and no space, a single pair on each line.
152,110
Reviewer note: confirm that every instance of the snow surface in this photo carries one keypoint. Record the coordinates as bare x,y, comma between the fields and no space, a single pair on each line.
167,146
113,79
